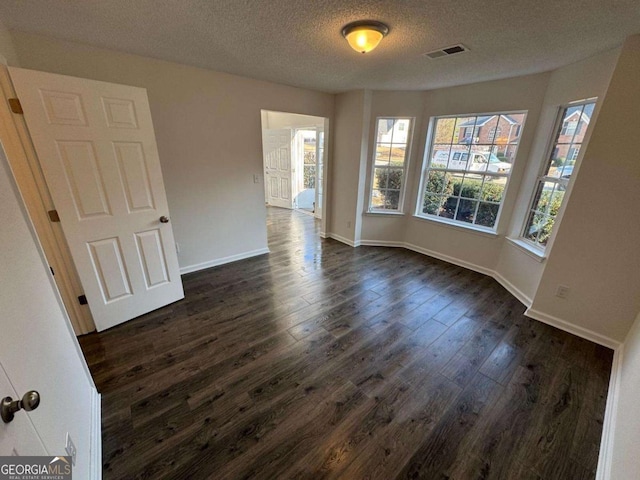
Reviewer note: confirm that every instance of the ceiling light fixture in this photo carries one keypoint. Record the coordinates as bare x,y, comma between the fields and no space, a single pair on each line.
364,35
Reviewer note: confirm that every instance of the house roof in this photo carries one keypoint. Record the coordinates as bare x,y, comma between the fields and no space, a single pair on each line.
300,43
482,120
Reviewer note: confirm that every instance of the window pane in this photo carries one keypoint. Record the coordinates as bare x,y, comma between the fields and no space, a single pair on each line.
487,214
471,186
433,203
436,182
392,141
309,176
377,199
445,128
534,226
394,178
466,210
398,154
391,199
380,178
475,165
465,130
493,189
384,130
383,154
449,206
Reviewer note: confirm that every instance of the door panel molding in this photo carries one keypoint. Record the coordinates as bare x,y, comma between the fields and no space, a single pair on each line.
37,199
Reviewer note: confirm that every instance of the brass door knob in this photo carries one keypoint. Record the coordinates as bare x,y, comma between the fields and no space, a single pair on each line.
28,402
164,219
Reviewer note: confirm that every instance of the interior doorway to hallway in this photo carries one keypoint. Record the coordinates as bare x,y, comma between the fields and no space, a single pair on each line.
294,157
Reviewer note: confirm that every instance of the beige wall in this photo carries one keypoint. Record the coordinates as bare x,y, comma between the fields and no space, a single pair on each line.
625,461
391,228
586,79
469,247
8,54
276,120
349,126
596,250
208,129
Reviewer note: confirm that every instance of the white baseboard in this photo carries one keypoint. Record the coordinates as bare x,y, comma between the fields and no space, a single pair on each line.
535,314
512,289
223,260
429,253
605,457
95,449
447,258
382,243
324,235
571,328
344,240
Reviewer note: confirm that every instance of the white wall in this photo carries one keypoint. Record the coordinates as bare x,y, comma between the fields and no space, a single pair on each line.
586,79
37,347
625,461
208,129
596,250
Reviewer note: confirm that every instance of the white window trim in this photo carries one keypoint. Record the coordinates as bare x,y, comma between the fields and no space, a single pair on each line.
541,250
425,168
403,188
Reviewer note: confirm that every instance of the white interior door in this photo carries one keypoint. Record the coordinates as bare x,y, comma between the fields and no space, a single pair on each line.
19,437
96,145
276,144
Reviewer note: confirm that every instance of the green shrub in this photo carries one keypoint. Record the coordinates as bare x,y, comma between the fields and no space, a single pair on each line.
545,223
390,191
437,182
309,176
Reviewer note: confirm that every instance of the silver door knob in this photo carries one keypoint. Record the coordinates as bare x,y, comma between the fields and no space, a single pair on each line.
164,219
28,402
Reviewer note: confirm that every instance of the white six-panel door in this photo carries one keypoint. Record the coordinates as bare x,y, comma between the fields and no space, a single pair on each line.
276,144
96,145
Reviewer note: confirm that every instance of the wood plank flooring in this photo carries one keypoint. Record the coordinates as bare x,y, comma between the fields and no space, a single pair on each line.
319,360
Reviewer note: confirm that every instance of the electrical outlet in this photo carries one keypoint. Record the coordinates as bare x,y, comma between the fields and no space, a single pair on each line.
562,291
256,179
70,448
348,224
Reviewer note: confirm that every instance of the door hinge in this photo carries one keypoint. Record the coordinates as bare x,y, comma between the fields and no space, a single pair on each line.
15,105
82,299
52,272
53,216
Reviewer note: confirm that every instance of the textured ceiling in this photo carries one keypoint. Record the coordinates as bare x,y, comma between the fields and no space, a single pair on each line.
298,42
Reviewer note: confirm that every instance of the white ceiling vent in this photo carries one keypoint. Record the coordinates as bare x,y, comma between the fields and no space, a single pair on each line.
445,52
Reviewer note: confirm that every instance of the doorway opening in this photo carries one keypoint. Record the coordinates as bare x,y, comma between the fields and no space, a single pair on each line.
294,161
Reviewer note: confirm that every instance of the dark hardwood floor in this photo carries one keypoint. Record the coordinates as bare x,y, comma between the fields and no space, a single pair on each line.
319,360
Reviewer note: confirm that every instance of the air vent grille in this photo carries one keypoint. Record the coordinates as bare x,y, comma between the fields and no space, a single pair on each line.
447,51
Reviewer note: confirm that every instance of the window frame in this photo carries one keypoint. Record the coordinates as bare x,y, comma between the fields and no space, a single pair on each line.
556,132
403,186
426,164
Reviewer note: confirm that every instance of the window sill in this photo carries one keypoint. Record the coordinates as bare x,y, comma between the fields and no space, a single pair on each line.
483,231
375,213
536,253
